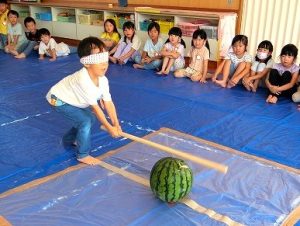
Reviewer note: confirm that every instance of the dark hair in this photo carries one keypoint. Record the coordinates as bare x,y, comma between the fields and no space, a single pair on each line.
176,31
290,50
266,44
28,20
3,1
154,25
240,38
113,22
86,46
128,25
201,34
13,12
44,31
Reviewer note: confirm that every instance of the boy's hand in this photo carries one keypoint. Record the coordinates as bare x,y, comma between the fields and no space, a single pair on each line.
115,131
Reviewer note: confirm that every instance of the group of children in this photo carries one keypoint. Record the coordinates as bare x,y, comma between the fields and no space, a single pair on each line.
83,96
15,41
280,78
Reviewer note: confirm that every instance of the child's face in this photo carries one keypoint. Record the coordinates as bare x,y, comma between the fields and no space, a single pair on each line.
109,28
263,53
128,32
3,7
287,60
31,27
239,48
153,34
13,19
198,42
174,39
45,38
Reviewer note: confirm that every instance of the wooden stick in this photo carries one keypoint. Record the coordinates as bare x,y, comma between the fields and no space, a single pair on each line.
204,162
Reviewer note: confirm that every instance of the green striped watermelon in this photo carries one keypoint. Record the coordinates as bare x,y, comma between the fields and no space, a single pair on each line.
171,179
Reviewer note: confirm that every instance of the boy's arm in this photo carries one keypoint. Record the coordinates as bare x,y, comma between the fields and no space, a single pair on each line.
113,130
112,113
52,53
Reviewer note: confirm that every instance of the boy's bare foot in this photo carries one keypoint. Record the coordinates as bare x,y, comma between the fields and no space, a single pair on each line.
138,66
159,72
89,160
221,83
14,52
20,56
273,100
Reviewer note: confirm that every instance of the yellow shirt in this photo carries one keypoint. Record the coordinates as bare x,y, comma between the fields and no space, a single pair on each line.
114,36
3,23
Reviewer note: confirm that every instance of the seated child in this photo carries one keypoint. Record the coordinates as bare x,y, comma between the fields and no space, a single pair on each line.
49,46
199,55
151,58
173,52
3,23
32,36
260,67
16,35
110,36
236,64
78,95
128,47
283,76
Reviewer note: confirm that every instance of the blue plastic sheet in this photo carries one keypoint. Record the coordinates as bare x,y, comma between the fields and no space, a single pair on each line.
30,131
251,193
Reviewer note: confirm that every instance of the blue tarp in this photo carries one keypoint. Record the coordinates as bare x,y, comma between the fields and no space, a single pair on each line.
30,131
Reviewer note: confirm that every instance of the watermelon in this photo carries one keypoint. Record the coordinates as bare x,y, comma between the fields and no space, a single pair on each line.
171,179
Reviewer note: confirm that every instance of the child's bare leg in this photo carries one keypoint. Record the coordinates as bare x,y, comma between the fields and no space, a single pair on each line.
89,160
169,65
226,71
254,85
164,65
218,70
196,77
179,73
237,76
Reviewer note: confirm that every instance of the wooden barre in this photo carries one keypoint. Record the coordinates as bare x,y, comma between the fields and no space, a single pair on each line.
202,161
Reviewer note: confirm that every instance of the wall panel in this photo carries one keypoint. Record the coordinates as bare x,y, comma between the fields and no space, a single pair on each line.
274,20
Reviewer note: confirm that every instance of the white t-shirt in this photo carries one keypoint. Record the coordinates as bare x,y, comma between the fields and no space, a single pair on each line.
136,42
61,49
151,49
79,90
17,30
235,60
